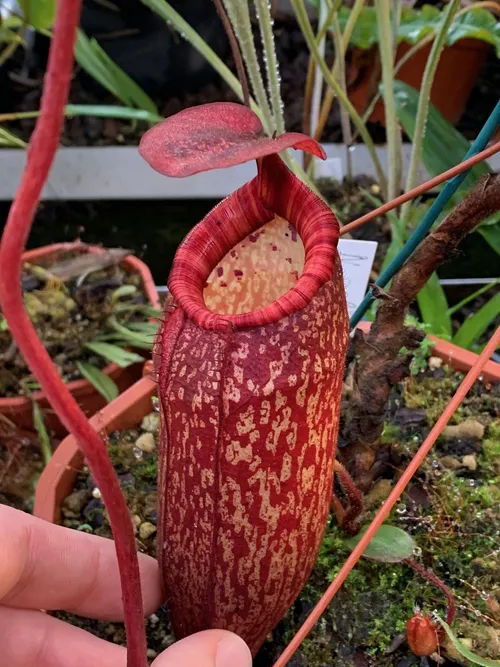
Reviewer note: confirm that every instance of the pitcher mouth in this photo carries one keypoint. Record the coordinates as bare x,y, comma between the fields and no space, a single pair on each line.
231,221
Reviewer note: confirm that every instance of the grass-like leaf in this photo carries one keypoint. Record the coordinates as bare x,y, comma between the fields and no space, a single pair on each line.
99,380
433,307
476,325
115,354
10,140
463,650
96,62
43,436
124,290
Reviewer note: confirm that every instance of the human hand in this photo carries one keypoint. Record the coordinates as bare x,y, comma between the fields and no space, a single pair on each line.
43,566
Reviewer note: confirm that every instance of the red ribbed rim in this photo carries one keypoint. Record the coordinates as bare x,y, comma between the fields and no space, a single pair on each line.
242,213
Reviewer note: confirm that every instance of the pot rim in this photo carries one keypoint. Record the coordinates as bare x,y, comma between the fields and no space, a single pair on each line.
131,262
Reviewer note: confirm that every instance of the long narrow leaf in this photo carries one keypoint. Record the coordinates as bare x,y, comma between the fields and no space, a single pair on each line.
115,354
443,146
99,380
434,308
96,62
43,436
463,650
10,140
476,325
471,297
133,336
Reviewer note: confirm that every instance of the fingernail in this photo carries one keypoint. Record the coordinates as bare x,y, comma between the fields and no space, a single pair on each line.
233,652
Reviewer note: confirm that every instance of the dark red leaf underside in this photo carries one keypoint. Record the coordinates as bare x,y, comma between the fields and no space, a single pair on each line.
214,136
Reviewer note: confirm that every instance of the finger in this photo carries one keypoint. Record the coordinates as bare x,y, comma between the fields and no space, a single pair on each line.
43,566
34,639
213,648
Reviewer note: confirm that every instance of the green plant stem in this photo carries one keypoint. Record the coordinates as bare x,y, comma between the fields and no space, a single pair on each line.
305,25
345,123
327,102
9,50
397,8
424,100
409,54
168,13
394,144
239,16
273,77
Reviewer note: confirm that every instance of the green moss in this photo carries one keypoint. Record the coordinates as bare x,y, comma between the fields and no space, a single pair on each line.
390,434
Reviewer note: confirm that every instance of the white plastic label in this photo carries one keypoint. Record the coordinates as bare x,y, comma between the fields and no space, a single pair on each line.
357,261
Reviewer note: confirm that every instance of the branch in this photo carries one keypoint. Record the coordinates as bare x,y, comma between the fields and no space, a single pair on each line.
379,366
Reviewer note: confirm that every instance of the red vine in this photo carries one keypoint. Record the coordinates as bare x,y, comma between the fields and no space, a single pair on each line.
41,153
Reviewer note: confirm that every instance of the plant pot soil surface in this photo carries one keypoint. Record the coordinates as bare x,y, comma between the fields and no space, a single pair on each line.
21,464
22,92
452,509
67,315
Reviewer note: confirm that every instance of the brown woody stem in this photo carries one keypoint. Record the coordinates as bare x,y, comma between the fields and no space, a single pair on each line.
379,365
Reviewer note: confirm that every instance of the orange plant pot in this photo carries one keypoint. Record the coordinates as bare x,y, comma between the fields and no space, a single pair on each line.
126,411
455,77
19,410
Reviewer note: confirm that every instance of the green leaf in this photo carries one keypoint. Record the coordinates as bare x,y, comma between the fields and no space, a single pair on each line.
491,234
145,309
96,62
39,13
389,545
471,297
124,290
99,380
115,354
463,650
10,140
131,336
433,307
476,325
443,146
415,24
41,430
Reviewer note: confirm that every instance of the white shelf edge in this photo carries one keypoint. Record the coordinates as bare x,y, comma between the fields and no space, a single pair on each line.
118,172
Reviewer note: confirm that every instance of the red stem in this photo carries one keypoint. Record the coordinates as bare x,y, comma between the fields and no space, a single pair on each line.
436,581
43,146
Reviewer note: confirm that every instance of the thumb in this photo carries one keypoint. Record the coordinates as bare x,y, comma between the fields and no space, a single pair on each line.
212,648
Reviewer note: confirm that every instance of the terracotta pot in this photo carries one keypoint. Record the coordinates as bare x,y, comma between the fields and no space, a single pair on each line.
58,477
19,409
456,75
456,357
126,411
